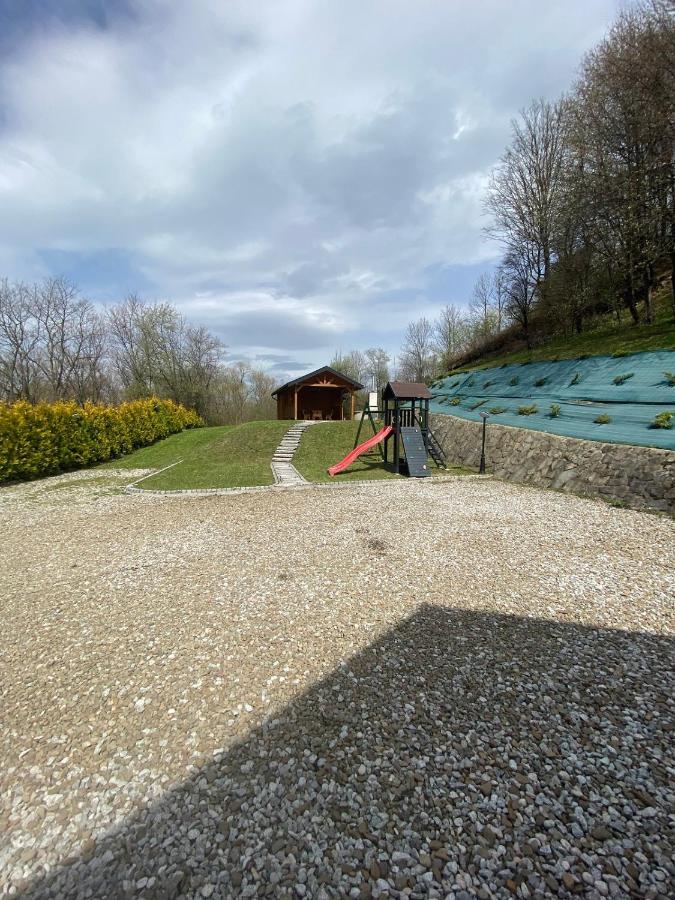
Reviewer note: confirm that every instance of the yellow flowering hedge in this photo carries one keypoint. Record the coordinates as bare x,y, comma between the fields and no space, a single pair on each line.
48,438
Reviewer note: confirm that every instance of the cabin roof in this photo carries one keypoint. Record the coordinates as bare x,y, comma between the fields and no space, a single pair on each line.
406,390
324,370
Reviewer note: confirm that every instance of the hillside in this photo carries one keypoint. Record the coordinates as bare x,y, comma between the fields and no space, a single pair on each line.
605,337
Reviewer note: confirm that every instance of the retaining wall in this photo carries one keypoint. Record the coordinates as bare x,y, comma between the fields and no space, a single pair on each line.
641,477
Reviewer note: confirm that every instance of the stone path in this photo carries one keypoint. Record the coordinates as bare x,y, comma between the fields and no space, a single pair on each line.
284,471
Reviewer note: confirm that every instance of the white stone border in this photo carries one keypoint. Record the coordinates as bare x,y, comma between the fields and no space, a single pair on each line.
308,485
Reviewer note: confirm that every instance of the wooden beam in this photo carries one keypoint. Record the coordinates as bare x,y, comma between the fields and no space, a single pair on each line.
353,404
295,404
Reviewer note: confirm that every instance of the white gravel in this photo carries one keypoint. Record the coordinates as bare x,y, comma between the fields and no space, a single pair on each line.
416,689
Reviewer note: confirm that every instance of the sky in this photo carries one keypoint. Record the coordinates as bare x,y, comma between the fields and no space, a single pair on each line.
299,176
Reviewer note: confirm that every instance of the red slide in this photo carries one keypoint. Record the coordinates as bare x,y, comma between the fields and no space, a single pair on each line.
357,451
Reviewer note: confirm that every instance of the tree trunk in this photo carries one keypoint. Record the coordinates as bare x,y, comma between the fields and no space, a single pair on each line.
629,297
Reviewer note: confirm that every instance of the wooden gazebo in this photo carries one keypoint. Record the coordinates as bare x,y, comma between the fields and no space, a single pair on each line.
317,395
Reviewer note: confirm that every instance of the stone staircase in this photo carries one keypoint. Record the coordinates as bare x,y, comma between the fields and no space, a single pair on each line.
284,471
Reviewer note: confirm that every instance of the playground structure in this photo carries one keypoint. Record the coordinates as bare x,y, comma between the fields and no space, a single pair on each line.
405,413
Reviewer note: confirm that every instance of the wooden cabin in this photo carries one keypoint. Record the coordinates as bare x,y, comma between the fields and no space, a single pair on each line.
318,395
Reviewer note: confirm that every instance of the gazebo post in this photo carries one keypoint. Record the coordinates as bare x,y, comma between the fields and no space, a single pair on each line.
397,429
353,396
295,404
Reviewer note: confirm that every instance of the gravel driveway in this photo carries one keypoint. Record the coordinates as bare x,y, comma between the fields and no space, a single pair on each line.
447,688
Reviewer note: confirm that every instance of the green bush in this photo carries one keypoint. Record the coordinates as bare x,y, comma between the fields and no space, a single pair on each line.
555,410
670,378
514,381
602,419
456,401
663,420
620,379
540,382
528,410
48,438
496,410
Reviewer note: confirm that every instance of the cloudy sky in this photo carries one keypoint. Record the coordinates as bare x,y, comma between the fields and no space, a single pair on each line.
299,175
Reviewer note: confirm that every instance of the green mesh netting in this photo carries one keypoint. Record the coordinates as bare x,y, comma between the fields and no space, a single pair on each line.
631,390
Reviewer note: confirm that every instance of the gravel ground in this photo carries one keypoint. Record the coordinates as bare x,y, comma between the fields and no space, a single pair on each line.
426,689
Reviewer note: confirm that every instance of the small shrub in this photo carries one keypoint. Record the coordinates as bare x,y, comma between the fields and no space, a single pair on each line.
575,379
496,410
528,410
477,404
514,380
555,410
663,420
456,401
670,378
602,419
540,382
621,379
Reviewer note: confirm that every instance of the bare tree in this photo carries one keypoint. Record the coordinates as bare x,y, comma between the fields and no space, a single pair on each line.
520,271
623,141
417,361
451,334
377,367
525,189
353,364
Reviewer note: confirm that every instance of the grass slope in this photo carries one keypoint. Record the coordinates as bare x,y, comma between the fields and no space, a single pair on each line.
604,340
221,457
324,445
240,456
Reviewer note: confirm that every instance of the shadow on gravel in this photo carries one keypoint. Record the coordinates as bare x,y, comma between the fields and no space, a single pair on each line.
465,753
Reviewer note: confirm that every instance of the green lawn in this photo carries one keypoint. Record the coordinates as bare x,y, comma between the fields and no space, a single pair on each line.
167,451
221,457
240,456
324,445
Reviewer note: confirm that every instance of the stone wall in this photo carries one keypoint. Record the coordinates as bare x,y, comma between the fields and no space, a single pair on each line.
640,477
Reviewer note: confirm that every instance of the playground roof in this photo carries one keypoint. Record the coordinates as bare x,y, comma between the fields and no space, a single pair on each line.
406,390
324,370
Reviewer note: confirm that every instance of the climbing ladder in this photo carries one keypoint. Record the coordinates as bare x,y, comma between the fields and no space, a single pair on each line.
435,450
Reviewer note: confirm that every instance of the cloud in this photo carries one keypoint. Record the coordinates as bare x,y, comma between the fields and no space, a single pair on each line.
293,174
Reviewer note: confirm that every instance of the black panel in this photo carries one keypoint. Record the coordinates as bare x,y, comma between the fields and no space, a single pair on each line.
415,452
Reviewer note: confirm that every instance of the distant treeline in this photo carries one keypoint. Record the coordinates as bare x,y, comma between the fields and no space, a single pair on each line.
581,203
55,345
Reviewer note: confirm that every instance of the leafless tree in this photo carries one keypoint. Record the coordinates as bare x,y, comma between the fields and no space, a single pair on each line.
417,361
525,188
377,367
623,141
521,271
451,334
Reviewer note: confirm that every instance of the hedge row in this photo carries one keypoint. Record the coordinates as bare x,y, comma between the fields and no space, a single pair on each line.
48,438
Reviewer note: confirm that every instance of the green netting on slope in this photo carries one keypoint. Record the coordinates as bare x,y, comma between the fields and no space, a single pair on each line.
583,388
